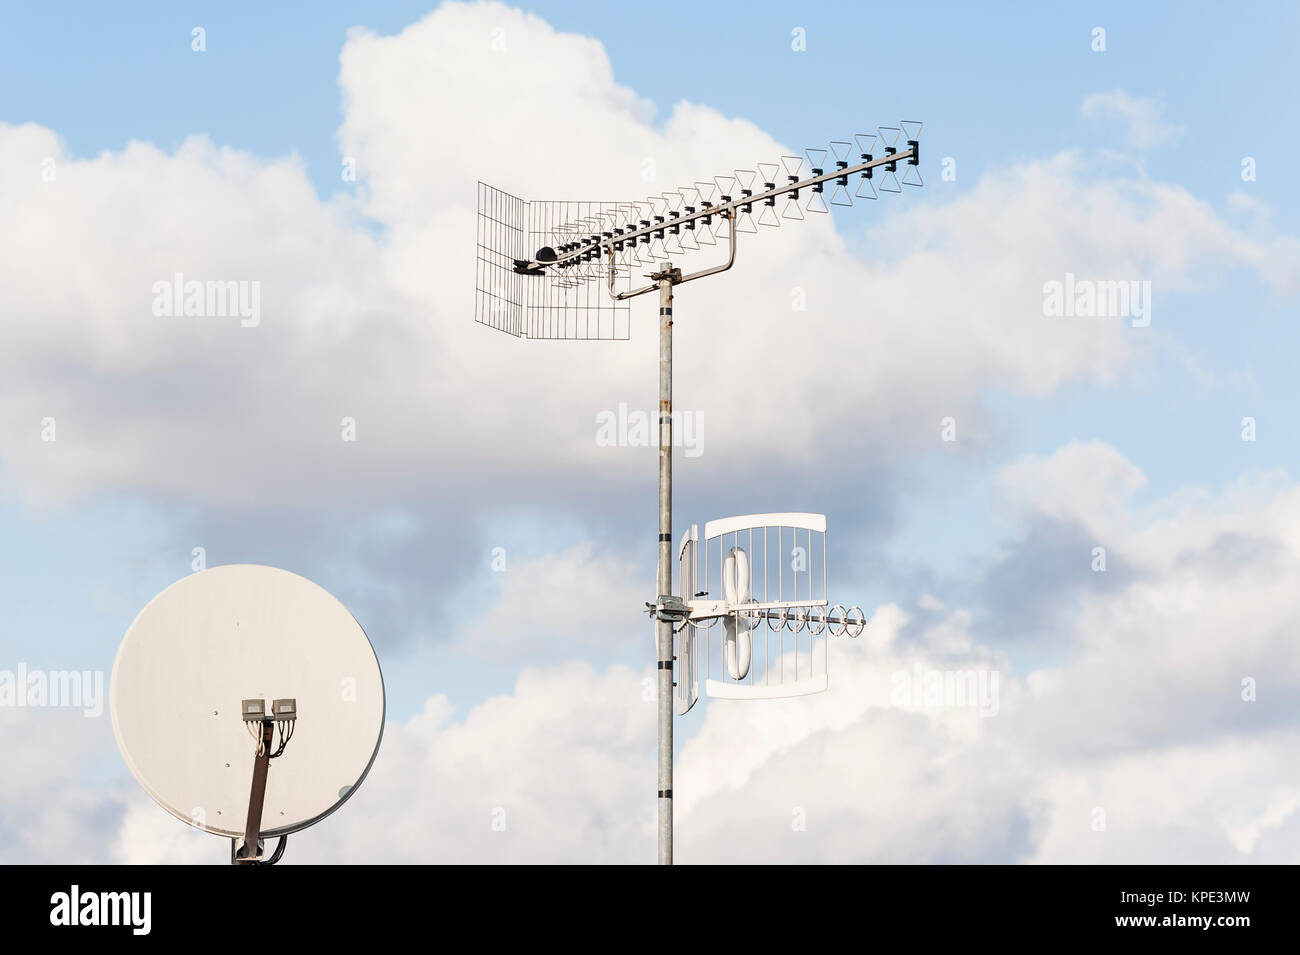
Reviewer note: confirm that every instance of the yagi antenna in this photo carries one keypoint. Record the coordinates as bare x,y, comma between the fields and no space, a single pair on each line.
754,593
540,264
563,270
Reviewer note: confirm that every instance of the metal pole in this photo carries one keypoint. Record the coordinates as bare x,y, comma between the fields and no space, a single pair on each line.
665,583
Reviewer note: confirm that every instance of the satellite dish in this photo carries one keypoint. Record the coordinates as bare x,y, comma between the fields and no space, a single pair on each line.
234,652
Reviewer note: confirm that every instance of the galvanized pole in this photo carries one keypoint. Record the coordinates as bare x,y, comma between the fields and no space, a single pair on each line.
665,278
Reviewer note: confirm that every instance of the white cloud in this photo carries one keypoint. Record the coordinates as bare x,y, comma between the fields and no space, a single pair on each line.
578,597
1089,483
48,812
380,330
1144,126
1146,720
1144,728
1139,748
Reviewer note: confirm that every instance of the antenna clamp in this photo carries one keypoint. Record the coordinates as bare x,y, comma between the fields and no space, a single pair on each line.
669,609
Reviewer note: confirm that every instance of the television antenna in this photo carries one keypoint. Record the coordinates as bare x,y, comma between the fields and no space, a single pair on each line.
540,268
190,687
755,594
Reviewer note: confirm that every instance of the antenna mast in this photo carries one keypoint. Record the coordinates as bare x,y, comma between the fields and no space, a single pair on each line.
540,268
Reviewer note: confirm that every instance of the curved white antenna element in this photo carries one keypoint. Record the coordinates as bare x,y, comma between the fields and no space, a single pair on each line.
735,584
735,576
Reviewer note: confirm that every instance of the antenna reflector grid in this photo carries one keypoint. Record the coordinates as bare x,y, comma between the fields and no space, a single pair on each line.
559,302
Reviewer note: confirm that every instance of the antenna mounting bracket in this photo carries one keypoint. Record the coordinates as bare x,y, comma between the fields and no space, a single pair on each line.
669,609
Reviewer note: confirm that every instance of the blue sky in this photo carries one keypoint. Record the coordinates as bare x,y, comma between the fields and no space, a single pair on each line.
994,89
988,85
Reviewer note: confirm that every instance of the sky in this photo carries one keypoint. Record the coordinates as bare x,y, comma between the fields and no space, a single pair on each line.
972,449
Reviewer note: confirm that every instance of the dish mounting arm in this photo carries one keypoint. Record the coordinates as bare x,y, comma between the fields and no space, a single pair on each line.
262,726
250,853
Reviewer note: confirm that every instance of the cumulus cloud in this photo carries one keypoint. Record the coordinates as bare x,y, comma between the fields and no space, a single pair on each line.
48,810
1170,714
1090,482
1141,118
575,599
367,302
237,433
1163,735
1143,745
366,315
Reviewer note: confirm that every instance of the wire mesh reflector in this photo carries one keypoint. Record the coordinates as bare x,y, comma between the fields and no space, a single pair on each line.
568,303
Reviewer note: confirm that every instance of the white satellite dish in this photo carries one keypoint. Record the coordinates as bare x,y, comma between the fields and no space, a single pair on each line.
187,683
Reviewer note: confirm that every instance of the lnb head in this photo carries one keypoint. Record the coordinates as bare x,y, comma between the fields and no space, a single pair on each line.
252,711
284,710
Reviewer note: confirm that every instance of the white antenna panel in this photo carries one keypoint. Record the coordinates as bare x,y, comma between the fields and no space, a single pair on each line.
758,622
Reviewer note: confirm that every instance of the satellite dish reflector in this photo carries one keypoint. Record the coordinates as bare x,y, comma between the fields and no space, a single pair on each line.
227,654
